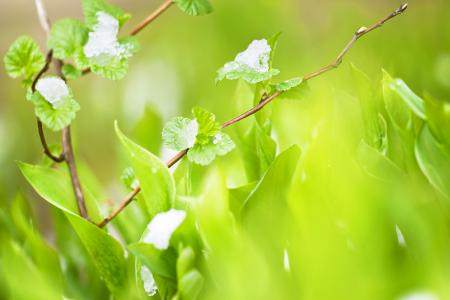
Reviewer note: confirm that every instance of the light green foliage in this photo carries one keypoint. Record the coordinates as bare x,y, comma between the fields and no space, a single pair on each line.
287,85
67,36
180,133
91,7
106,252
434,161
24,58
194,7
158,187
55,118
246,74
115,70
70,72
202,136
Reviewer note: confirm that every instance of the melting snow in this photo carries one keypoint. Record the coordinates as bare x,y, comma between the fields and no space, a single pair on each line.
162,226
53,89
190,133
149,282
102,44
256,58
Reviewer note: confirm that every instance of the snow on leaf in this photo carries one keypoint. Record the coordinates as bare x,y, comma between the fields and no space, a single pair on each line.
180,133
102,45
149,282
161,228
251,65
54,90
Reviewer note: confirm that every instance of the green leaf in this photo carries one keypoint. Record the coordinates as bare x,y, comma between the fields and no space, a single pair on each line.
157,184
204,154
207,125
115,70
258,150
273,43
131,43
438,118
378,165
66,37
71,72
91,7
162,263
106,252
55,187
434,161
374,123
185,261
194,7
55,118
24,58
147,131
180,133
24,279
129,178
415,103
287,85
191,284
265,209
246,74
397,109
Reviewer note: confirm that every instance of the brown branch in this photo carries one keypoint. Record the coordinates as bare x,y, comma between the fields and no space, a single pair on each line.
124,203
47,151
267,99
70,160
166,4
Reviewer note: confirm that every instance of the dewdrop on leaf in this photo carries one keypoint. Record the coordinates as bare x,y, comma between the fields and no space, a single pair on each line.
149,282
162,226
54,90
102,45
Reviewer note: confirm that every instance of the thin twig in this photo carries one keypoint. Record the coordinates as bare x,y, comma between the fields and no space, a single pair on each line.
166,4
69,158
43,18
267,99
67,154
47,151
124,203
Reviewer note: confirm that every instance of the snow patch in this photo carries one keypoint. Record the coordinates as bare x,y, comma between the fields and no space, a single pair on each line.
149,282
102,45
162,226
53,89
255,58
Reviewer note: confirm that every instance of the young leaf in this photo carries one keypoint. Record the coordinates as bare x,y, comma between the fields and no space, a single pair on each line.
71,72
415,103
434,161
207,124
54,103
157,184
191,284
438,118
287,85
24,58
115,70
252,65
92,7
194,7
204,154
180,133
161,263
66,37
55,187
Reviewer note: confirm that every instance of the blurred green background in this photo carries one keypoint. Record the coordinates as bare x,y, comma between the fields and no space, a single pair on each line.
175,71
